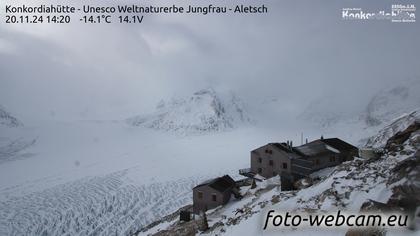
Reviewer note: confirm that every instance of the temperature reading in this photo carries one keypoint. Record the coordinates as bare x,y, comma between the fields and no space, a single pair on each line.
96,19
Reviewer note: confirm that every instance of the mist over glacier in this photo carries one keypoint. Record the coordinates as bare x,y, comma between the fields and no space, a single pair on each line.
105,129
78,73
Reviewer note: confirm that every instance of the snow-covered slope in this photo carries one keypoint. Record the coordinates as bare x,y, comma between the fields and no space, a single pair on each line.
380,109
392,180
389,103
7,120
106,178
326,112
399,124
205,111
15,149
12,145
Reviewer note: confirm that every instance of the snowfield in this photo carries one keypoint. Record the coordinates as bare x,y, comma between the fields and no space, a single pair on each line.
367,118
102,178
108,177
104,205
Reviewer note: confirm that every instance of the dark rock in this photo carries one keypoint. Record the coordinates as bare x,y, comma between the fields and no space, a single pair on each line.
394,143
374,206
302,183
203,224
406,197
275,199
409,163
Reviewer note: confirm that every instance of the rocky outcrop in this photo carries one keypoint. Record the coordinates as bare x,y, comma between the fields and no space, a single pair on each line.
386,134
7,120
302,183
204,111
405,176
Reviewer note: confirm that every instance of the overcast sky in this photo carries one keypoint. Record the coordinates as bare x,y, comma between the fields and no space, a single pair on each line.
299,51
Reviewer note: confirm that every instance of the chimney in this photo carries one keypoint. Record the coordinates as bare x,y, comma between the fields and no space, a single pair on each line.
291,144
306,140
322,137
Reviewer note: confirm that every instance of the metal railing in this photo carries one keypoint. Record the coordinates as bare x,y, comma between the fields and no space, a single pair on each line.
244,171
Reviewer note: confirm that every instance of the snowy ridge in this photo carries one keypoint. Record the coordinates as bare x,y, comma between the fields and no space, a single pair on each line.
399,124
382,108
323,113
204,111
7,120
348,187
389,103
11,150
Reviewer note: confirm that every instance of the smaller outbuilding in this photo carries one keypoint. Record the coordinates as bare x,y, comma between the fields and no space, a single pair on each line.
369,153
214,193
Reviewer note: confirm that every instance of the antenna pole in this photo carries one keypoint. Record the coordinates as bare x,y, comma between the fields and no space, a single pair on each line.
301,138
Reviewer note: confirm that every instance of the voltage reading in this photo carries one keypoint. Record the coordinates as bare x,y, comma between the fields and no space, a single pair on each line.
131,19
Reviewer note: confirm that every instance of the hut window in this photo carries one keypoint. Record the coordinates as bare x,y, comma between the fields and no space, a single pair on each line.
284,165
259,170
268,151
271,163
214,197
259,160
332,159
200,195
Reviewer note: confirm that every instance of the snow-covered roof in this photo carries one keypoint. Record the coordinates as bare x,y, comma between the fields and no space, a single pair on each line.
220,184
314,148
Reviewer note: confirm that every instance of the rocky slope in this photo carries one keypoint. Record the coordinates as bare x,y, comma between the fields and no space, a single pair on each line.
204,111
398,125
15,149
7,120
388,182
12,148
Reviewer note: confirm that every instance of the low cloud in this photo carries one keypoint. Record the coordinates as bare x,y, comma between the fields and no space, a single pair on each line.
298,52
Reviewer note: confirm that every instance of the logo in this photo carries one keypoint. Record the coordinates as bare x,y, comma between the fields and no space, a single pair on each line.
397,13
